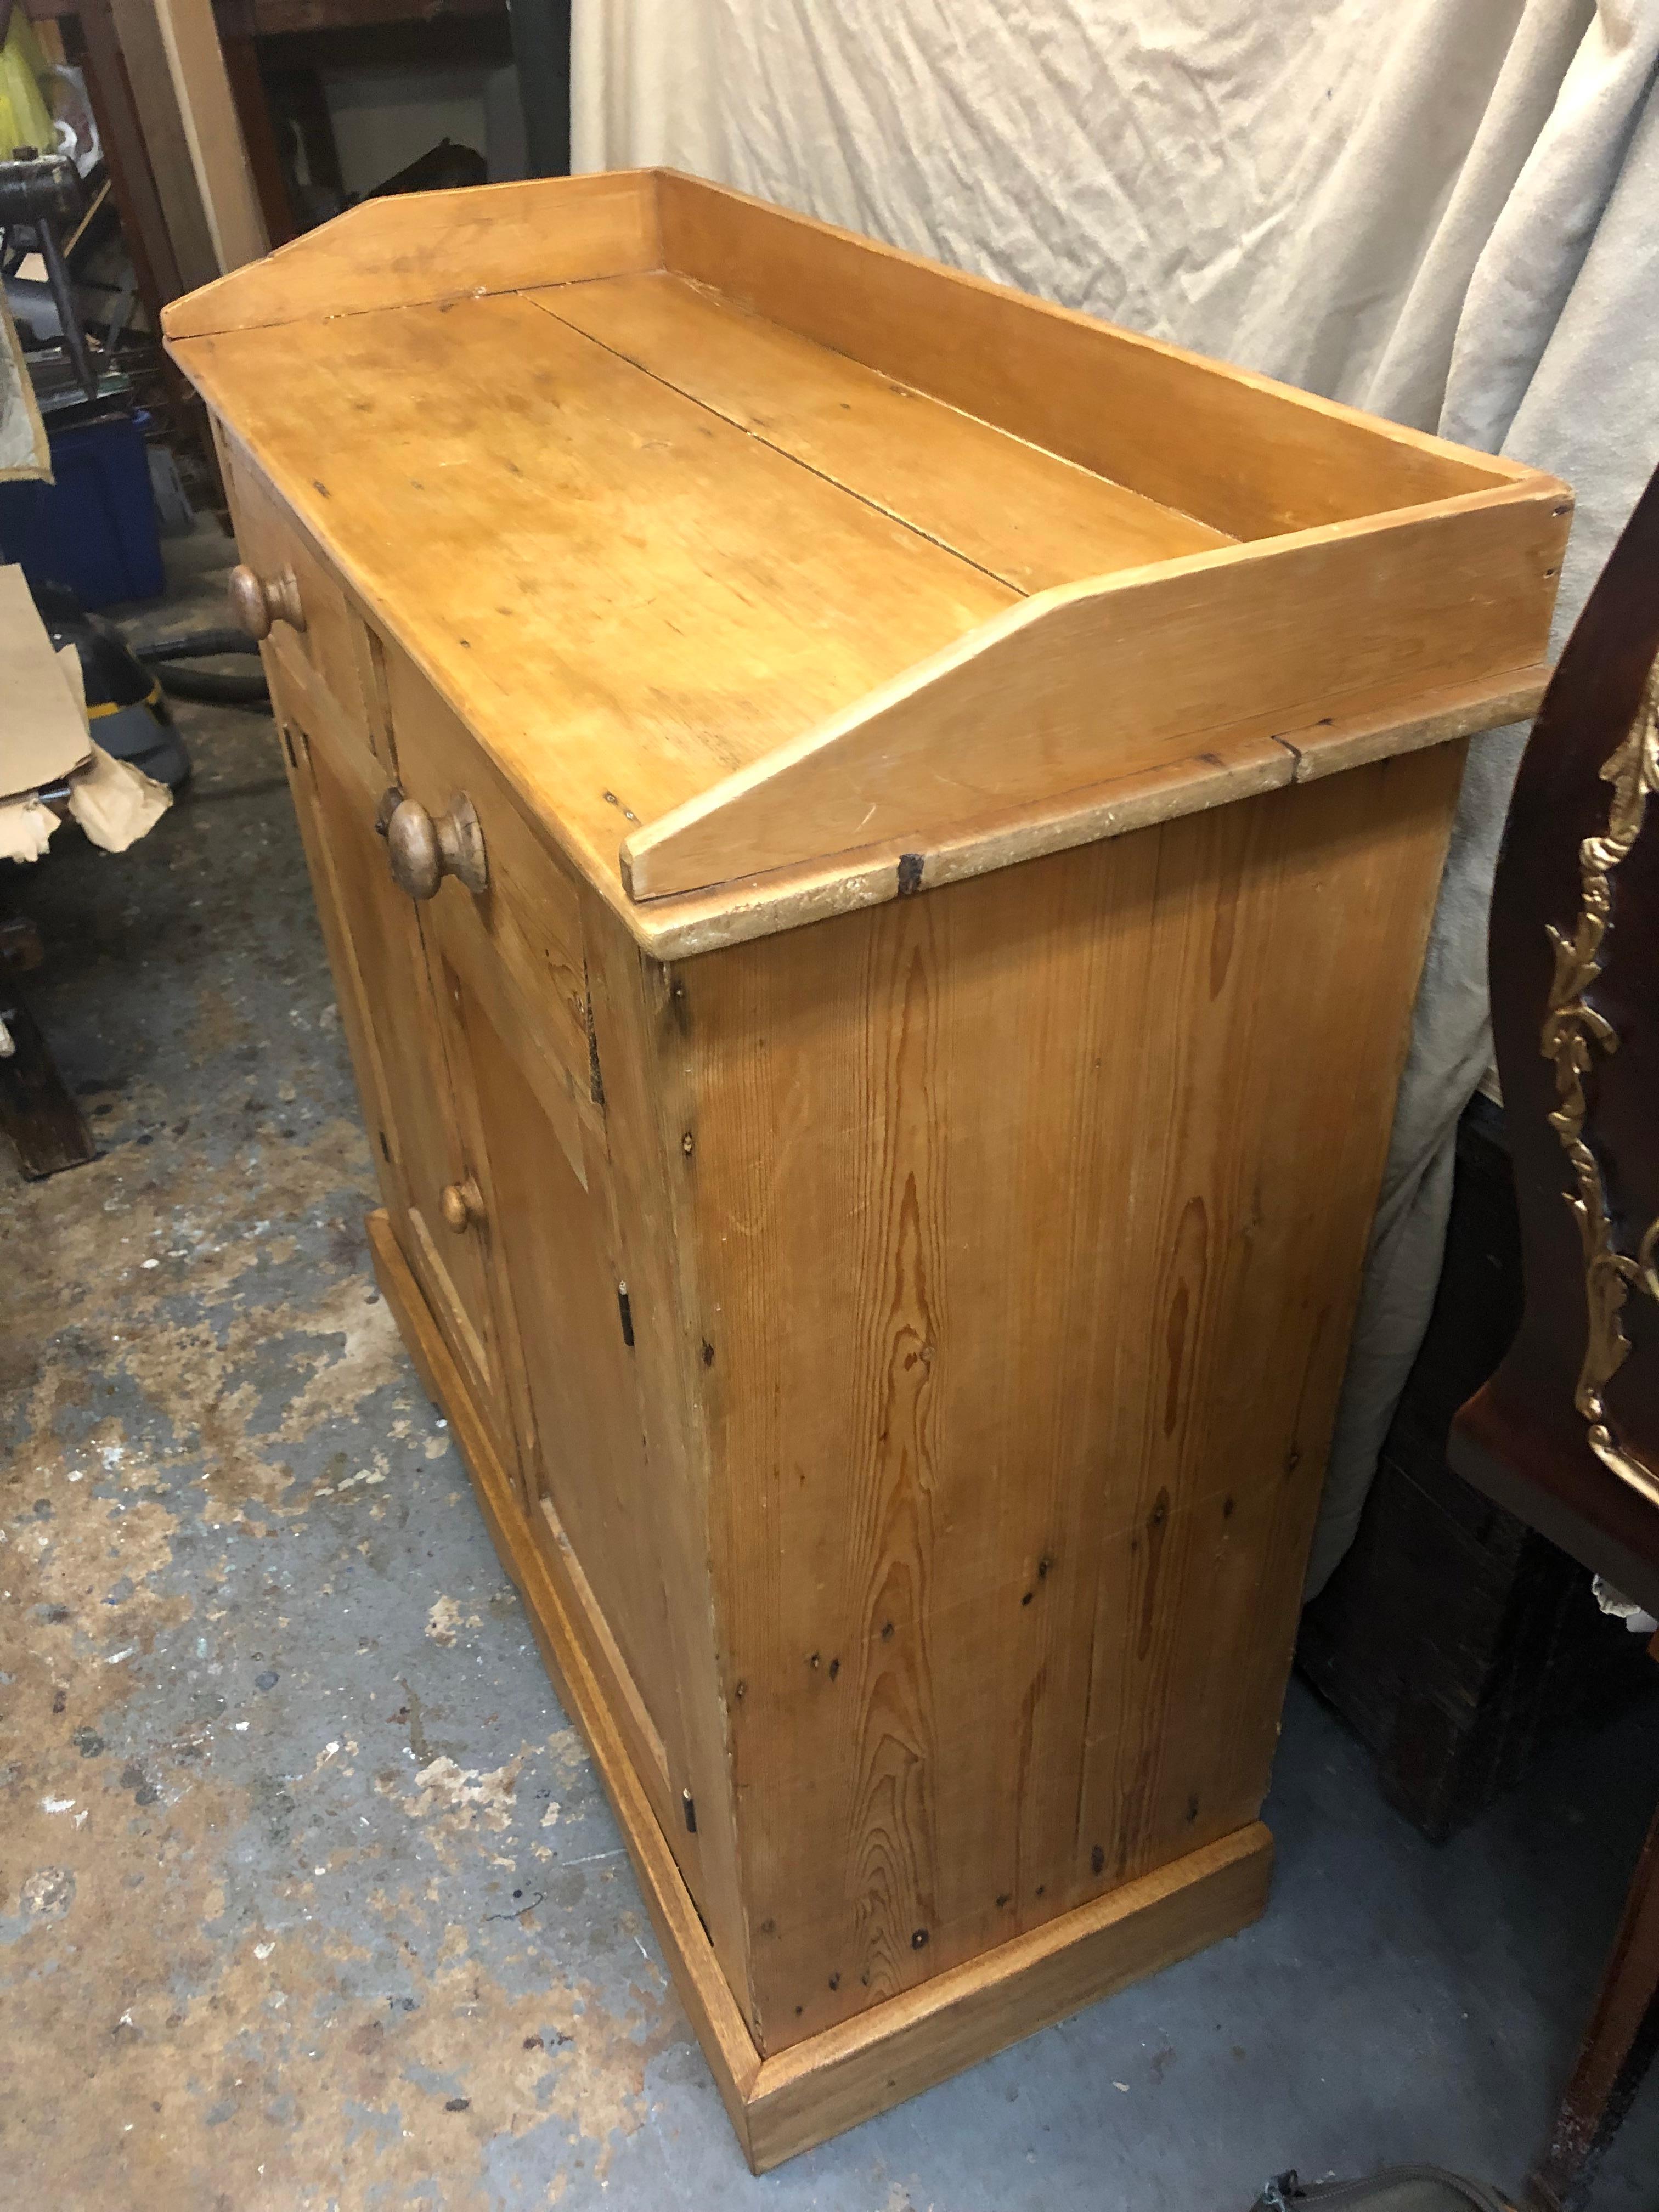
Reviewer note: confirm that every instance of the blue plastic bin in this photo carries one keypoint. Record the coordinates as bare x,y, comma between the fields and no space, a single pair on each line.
94,528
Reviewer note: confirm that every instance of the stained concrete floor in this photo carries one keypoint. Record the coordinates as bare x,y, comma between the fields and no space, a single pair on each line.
308,1895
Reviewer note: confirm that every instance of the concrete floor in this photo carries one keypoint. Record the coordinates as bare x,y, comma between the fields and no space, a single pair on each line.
308,1896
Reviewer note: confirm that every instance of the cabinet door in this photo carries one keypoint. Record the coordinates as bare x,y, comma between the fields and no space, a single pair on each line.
586,1483
509,974
380,963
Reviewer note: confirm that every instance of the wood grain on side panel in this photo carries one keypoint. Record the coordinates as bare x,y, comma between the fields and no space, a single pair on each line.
1291,961
1016,1148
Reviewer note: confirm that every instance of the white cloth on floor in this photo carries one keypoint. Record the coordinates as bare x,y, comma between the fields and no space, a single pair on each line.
26,827
114,802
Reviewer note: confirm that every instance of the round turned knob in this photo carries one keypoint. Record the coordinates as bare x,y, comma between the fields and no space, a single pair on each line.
412,840
257,601
461,1205
424,850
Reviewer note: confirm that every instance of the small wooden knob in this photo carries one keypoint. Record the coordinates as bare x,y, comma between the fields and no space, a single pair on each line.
411,843
423,850
257,601
461,1205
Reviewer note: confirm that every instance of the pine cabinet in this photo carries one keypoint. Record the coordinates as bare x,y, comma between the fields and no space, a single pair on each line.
876,838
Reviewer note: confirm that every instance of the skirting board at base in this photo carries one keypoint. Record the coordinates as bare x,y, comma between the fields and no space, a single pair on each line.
817,2089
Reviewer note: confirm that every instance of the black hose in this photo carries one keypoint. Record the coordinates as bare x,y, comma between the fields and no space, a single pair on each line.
197,645
231,690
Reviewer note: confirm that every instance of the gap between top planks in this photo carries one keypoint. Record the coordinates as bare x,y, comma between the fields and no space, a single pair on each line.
1024,514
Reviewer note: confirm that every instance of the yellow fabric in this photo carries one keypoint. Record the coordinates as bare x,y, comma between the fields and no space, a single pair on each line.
25,117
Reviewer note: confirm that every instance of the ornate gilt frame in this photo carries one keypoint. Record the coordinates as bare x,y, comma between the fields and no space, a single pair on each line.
1574,1029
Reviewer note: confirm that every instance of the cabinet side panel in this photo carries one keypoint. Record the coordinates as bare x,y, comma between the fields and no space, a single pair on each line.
1228,1403
1023,1223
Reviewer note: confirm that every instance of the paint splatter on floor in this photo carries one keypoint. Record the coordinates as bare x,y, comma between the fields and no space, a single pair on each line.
308,1896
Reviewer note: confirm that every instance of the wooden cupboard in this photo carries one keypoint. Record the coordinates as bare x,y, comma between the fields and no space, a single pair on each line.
877,839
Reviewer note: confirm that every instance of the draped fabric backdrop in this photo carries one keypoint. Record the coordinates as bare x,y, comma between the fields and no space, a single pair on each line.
1443,210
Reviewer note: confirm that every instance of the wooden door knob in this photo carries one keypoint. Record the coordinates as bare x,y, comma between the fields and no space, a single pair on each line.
461,1205
424,850
257,601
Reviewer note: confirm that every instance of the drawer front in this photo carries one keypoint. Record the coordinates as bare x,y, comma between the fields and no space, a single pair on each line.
292,706
332,648
522,936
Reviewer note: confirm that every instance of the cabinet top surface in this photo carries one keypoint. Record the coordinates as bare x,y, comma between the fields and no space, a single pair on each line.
635,591
650,541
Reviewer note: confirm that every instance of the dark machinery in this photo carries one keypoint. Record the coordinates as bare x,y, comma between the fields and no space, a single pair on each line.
40,191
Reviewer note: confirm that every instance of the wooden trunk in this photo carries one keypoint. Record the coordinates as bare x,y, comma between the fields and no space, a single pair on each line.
933,806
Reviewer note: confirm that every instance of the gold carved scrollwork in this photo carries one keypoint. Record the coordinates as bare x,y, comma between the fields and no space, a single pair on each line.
1574,1029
